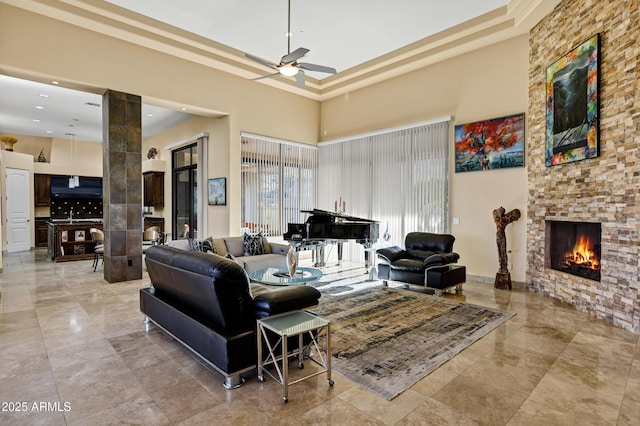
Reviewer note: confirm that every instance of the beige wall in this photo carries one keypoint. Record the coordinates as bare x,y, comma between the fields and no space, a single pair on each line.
31,145
59,51
487,83
218,218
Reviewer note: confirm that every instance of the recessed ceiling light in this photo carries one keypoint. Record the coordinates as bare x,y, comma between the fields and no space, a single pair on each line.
42,95
149,115
183,109
35,120
39,107
48,131
55,82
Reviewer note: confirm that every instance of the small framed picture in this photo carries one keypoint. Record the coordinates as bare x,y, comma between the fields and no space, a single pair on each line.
64,236
79,235
217,190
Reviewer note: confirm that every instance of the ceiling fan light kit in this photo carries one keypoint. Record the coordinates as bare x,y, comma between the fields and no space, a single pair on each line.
288,70
289,65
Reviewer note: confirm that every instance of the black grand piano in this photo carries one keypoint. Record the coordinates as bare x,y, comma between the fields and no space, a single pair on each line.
324,227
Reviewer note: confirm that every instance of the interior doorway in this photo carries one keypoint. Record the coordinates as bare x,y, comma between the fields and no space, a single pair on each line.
184,165
18,212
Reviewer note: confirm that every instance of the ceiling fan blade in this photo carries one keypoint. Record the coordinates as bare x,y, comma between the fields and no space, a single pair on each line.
261,61
294,56
275,74
319,68
300,78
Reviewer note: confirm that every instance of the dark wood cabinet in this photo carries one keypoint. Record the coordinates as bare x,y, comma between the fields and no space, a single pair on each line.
42,190
41,233
154,189
154,221
71,241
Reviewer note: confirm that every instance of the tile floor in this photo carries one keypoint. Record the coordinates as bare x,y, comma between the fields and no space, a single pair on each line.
73,351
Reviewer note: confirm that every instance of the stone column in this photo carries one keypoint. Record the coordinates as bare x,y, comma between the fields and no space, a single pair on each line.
122,186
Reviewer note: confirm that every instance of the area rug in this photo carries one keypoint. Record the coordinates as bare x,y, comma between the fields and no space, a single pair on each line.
387,339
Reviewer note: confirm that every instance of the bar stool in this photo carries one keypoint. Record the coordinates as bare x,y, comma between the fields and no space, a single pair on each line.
97,236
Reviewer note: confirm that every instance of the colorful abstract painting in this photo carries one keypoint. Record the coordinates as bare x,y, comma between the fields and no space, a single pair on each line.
572,105
490,144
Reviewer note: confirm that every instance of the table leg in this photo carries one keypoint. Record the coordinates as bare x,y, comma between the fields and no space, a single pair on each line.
260,376
285,370
300,352
328,351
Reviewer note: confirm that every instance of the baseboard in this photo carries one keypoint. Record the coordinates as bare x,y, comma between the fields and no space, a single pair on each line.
492,280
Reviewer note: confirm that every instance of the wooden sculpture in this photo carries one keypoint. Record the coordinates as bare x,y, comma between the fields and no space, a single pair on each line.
503,277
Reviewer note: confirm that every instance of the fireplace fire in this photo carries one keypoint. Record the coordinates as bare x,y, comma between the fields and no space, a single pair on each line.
574,248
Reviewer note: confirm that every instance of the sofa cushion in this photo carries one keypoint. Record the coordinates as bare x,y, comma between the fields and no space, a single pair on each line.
408,265
441,259
285,299
253,263
241,263
219,246
235,245
253,244
425,241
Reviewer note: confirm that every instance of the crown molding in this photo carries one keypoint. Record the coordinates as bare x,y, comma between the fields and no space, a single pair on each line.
515,19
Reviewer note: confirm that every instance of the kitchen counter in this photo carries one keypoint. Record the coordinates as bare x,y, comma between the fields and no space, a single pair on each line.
71,239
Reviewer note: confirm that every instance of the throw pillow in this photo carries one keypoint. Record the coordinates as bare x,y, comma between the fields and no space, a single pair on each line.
253,244
208,246
195,245
232,257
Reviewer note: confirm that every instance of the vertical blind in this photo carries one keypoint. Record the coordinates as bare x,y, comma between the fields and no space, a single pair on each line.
278,181
399,177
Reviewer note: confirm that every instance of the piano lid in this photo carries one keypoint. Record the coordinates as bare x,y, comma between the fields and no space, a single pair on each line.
318,215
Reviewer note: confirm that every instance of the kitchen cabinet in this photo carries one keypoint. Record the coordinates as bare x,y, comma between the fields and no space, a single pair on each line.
41,233
42,190
153,221
153,185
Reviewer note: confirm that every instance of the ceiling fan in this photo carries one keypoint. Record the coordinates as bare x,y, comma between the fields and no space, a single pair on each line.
289,65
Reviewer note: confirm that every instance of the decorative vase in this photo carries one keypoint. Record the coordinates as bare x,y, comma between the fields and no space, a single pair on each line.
9,141
386,236
292,261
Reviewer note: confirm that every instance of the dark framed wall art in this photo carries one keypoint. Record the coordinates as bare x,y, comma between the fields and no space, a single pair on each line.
217,190
497,143
572,132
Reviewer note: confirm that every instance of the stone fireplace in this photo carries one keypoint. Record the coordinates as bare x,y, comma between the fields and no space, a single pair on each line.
573,248
604,190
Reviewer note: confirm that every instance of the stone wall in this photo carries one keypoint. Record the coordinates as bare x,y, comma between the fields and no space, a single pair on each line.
605,189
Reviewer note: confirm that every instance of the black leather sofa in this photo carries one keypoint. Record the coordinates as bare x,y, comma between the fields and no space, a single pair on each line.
423,251
203,300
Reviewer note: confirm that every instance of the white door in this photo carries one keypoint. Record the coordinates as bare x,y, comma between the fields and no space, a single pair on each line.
18,212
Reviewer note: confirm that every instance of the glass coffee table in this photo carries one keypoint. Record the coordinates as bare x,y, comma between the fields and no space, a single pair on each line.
280,276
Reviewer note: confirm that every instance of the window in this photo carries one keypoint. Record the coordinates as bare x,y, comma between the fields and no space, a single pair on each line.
278,181
185,191
399,177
